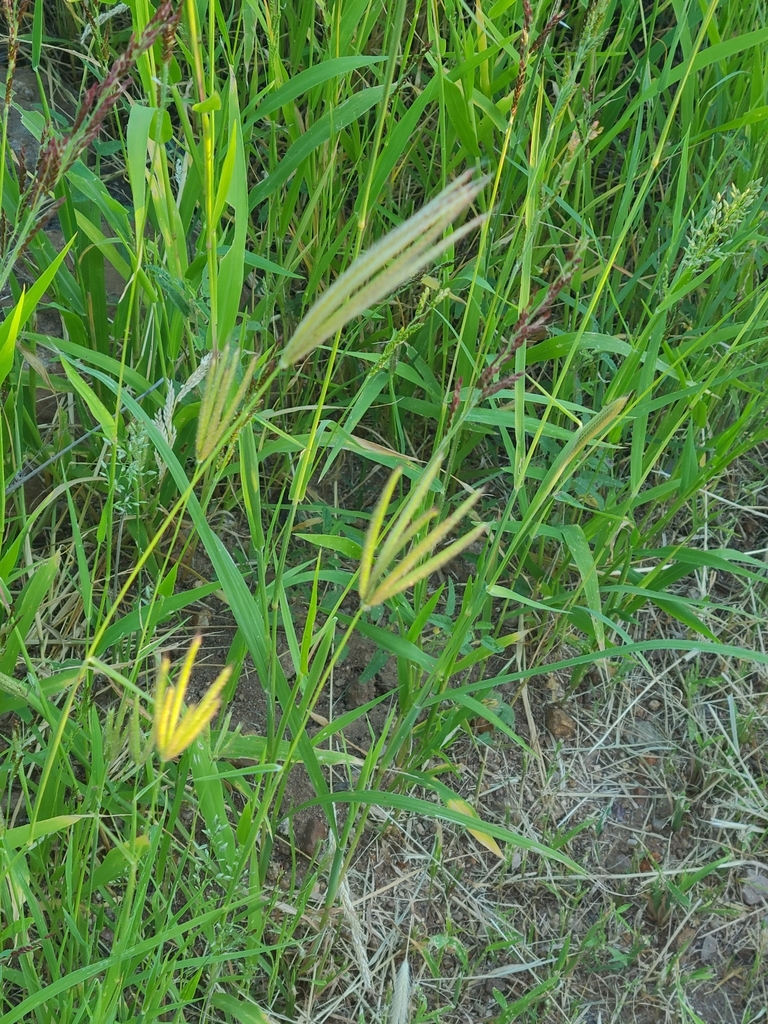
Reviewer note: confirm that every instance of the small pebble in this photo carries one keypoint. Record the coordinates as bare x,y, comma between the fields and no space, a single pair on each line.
709,949
618,864
310,837
645,740
559,722
754,890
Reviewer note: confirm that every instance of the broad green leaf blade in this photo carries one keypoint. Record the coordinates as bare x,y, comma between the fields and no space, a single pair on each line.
306,80
15,320
320,132
582,556
343,545
101,414
9,332
27,606
232,265
24,835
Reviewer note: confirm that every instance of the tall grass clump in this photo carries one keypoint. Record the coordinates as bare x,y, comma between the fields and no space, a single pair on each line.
425,331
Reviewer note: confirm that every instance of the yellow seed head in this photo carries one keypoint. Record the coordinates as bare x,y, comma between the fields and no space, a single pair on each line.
173,732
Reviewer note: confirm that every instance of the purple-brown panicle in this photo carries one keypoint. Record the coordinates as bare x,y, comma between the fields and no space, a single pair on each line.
455,401
531,326
58,154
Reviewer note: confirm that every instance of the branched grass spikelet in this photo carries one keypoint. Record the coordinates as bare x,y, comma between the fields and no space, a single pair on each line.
173,732
399,256
221,400
384,578
727,213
